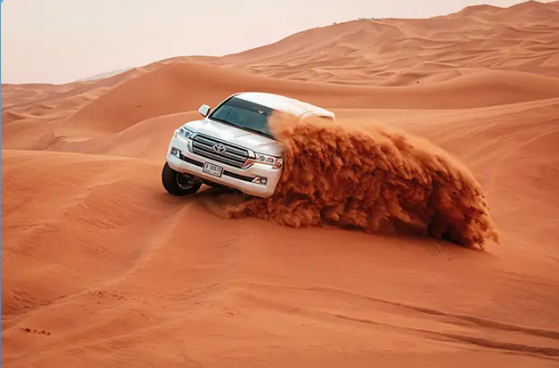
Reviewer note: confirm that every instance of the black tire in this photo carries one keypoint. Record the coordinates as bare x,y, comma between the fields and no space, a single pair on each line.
174,182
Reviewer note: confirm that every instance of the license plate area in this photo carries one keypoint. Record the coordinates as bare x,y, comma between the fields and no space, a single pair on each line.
213,169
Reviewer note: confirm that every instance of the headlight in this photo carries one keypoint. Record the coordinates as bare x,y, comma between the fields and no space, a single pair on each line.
185,132
275,162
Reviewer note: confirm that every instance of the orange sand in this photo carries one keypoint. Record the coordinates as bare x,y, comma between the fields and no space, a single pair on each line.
101,267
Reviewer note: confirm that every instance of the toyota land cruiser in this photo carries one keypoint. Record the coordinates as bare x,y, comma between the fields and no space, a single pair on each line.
232,146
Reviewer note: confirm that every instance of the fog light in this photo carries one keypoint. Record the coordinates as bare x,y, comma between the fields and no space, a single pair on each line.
260,180
175,152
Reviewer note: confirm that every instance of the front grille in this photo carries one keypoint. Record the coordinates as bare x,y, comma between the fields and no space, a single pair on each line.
203,145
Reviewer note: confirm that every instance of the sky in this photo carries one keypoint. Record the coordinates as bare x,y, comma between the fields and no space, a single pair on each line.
59,41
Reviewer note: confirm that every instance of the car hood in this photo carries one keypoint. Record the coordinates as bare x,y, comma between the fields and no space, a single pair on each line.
228,133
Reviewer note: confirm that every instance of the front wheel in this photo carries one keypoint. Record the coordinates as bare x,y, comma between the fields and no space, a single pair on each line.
179,184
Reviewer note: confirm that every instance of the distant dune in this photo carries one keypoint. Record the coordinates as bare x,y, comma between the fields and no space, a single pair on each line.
169,90
447,137
473,39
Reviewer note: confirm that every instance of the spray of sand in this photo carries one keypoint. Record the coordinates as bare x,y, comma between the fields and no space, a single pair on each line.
378,179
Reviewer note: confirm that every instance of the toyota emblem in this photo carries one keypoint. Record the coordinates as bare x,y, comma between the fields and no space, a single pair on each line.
219,148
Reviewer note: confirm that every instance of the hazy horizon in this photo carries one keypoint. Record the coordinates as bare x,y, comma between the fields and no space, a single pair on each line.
59,41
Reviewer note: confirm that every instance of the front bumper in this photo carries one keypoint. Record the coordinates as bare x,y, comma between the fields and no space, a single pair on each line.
244,180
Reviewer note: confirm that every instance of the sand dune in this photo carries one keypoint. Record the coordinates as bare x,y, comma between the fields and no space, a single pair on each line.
170,90
458,114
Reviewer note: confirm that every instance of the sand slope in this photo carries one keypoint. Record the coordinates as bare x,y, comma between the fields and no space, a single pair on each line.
100,266
103,291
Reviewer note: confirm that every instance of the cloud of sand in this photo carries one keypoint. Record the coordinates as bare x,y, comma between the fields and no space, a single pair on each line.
377,179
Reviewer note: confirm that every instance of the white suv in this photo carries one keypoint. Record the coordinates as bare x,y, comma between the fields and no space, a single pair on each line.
232,146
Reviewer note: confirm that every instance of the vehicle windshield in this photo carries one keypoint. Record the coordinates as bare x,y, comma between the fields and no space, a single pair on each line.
245,115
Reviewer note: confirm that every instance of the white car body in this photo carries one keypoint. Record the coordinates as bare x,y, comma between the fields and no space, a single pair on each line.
227,155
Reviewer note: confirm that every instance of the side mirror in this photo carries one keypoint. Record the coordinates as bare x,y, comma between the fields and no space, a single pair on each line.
204,110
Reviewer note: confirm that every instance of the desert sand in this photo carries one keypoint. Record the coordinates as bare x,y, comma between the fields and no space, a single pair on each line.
101,267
